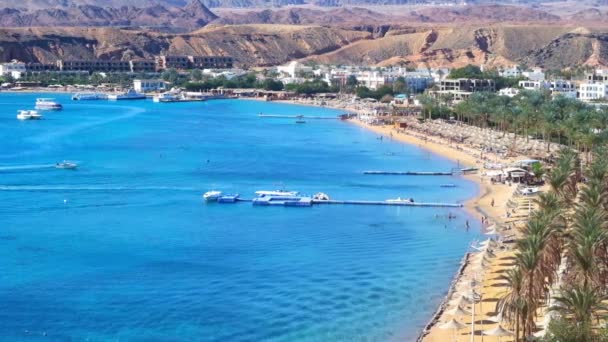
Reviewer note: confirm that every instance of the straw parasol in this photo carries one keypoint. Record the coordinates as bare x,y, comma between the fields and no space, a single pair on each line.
453,325
458,311
461,301
499,331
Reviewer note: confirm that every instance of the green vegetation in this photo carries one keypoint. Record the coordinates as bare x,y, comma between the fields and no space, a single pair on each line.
571,226
364,92
311,87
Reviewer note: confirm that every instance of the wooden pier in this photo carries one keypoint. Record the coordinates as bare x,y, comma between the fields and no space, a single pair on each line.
278,116
398,204
410,173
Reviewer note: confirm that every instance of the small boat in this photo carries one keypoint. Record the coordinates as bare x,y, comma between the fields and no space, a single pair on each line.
300,121
131,94
66,165
165,97
28,115
320,196
286,200
529,191
263,193
88,96
48,104
211,196
400,200
447,185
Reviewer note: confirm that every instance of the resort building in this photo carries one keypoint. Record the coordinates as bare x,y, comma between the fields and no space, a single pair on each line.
144,86
536,74
510,72
193,62
293,69
142,66
462,88
93,65
599,75
40,67
557,87
593,91
13,68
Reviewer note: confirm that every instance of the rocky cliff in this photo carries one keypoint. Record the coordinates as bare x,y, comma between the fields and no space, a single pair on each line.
381,44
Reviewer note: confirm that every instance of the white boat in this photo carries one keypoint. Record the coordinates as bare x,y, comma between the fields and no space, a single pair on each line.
131,94
400,200
66,165
28,115
529,191
263,193
210,196
48,104
88,96
165,97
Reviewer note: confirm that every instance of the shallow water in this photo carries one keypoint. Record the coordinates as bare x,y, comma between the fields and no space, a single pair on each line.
124,249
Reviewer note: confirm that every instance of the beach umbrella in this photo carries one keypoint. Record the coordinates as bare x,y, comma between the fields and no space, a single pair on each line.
458,311
491,232
498,331
461,301
496,318
488,242
453,325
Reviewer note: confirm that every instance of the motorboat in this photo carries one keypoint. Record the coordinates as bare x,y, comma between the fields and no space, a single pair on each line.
28,115
400,200
166,97
283,200
300,121
48,104
450,185
529,191
320,196
88,96
211,196
66,165
263,193
130,94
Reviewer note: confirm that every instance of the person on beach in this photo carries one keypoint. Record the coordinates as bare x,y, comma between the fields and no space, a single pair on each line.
492,202
467,225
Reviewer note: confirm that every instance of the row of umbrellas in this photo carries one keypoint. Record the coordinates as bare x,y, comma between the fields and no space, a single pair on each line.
468,296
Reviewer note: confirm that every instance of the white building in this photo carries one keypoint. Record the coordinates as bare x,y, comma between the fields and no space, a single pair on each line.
293,69
510,92
510,72
535,74
374,79
14,68
143,86
557,87
593,91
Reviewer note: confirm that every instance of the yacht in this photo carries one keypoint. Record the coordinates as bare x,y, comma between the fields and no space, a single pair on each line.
48,104
165,97
88,96
400,200
66,165
263,193
28,115
131,94
211,196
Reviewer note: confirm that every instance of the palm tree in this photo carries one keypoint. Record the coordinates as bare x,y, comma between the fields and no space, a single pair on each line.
512,304
581,304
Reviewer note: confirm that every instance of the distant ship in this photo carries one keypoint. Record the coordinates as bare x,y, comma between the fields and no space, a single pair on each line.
48,104
131,94
28,115
66,165
89,96
211,196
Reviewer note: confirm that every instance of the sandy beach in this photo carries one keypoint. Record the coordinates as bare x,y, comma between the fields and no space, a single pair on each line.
490,203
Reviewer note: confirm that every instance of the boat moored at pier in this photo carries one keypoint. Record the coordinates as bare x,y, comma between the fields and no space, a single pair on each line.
48,104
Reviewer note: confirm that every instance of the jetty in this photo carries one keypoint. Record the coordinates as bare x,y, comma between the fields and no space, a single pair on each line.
308,202
279,116
453,172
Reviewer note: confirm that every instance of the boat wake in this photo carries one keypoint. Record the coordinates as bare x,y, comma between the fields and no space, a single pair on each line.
25,167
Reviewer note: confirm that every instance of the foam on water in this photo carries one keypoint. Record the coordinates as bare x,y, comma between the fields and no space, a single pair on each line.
124,249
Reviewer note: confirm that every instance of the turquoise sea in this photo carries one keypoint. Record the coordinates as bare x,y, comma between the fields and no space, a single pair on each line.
124,249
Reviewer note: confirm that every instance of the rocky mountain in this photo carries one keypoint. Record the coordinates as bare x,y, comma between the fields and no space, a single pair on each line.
307,16
192,16
382,44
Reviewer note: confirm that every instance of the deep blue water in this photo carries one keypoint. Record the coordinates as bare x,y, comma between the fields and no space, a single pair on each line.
124,248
